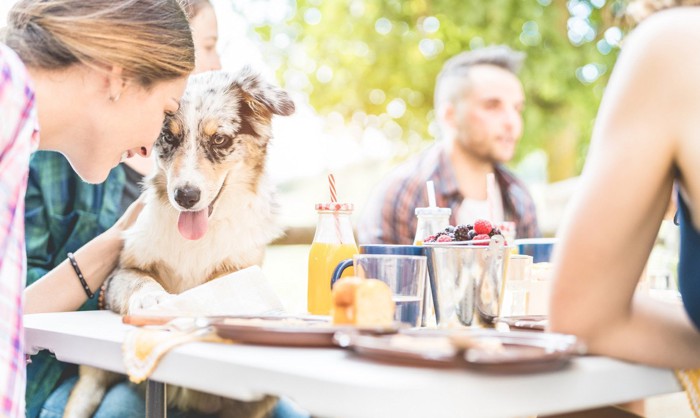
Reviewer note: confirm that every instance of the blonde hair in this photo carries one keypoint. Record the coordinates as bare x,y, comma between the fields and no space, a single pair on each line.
637,10
149,39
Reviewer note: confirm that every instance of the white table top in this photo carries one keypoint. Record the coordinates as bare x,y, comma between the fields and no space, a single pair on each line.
336,383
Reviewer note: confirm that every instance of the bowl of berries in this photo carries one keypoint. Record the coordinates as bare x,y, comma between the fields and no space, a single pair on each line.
467,267
479,233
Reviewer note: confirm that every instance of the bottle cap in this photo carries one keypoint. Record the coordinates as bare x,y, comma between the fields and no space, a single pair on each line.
433,211
334,206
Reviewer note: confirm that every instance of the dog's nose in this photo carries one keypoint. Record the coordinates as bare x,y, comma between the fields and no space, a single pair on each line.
187,196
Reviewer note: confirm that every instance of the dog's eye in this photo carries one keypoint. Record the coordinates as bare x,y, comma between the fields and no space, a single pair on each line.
219,140
167,137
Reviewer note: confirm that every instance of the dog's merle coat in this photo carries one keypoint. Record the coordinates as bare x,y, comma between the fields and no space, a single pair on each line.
215,147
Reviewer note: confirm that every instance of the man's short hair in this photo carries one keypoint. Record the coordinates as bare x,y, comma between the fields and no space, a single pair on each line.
453,79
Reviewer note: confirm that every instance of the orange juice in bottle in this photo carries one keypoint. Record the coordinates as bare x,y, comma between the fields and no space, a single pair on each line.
333,242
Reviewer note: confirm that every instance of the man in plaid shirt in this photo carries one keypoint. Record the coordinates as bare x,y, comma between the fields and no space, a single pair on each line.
17,140
478,103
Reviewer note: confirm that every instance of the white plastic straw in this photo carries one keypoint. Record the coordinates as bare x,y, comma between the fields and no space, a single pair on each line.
431,193
491,195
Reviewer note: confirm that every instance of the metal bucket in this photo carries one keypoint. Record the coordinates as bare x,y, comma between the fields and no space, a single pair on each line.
467,282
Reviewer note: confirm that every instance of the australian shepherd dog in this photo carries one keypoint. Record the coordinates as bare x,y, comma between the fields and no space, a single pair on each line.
208,212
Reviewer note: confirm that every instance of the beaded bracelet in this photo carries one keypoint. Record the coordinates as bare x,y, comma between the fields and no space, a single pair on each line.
74,263
102,299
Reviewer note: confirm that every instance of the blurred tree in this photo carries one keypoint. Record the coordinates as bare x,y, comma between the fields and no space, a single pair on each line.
374,62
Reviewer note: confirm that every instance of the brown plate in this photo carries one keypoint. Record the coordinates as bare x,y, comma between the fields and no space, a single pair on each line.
289,331
492,351
526,322
402,349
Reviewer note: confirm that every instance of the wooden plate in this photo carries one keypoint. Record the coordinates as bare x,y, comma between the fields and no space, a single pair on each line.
289,331
493,351
525,322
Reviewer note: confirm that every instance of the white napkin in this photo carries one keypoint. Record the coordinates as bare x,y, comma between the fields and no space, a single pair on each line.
245,292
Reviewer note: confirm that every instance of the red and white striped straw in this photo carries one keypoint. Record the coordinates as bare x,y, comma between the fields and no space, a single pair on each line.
331,185
334,199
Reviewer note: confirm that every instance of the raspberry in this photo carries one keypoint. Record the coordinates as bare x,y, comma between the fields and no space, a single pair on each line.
443,238
482,226
430,239
482,237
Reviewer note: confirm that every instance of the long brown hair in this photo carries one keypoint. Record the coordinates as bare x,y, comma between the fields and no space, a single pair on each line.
192,7
149,39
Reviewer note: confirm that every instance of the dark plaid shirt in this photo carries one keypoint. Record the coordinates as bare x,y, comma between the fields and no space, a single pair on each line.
389,216
62,213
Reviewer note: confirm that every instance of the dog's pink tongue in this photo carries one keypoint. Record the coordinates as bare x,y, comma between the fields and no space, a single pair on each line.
193,225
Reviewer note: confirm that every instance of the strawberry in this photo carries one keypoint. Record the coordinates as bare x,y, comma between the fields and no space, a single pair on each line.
482,226
482,237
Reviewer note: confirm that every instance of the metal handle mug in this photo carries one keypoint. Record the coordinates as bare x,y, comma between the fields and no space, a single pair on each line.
467,281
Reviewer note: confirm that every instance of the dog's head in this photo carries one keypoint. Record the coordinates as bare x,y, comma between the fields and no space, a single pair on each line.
218,137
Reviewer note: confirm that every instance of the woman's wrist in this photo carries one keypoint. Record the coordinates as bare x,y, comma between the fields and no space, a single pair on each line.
99,257
61,290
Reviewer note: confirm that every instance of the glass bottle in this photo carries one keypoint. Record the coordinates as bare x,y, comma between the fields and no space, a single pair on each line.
431,220
333,242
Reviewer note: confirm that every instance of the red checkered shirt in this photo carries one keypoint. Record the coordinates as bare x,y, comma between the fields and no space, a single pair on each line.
18,138
389,217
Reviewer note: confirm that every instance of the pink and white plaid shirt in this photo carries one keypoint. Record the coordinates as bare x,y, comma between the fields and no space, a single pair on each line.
18,138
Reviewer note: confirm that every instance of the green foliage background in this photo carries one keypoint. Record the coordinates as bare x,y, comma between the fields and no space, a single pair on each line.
373,47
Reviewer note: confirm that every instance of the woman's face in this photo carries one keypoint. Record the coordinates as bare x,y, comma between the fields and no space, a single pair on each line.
205,33
122,128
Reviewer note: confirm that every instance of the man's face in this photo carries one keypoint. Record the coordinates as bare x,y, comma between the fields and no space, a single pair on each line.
487,119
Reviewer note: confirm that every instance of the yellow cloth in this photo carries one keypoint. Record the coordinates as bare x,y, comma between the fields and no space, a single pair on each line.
143,347
690,380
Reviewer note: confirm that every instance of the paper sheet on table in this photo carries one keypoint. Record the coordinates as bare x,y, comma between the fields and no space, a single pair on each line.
245,292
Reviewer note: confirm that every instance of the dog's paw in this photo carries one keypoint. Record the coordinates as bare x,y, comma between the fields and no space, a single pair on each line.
148,298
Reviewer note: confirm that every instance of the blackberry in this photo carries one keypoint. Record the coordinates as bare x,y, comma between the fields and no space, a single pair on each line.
495,231
470,227
461,233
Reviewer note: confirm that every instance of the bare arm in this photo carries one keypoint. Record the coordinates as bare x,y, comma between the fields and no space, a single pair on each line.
60,290
652,99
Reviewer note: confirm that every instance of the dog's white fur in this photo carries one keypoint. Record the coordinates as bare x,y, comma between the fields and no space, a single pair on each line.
157,261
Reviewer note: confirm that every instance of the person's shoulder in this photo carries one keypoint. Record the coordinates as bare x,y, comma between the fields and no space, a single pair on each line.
51,168
9,61
510,178
419,166
44,159
668,31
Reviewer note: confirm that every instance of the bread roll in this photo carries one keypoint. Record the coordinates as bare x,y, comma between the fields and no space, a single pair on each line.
362,302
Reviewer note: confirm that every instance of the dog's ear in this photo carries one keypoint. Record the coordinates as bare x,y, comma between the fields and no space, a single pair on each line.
263,97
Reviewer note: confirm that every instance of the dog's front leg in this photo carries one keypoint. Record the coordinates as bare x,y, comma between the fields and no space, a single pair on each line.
87,394
129,290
